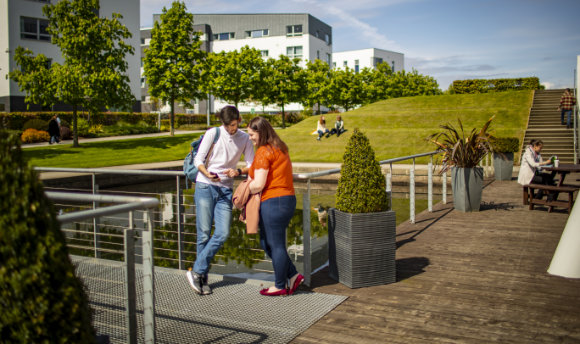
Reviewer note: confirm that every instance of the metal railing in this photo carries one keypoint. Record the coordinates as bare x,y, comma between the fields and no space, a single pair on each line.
308,177
129,205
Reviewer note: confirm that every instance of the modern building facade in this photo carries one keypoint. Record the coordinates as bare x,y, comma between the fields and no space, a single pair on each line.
22,23
368,58
295,35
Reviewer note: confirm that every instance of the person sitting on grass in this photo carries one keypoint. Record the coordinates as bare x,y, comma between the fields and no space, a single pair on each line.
338,127
321,127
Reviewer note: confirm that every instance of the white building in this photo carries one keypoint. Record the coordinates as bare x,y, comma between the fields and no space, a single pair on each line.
359,59
295,35
22,23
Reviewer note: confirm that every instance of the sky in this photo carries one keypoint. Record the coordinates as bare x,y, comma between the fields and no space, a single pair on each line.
445,39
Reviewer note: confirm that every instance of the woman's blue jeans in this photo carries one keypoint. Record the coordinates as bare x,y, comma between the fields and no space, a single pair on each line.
275,215
212,203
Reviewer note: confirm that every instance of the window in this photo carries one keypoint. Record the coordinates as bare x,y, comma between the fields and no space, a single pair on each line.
334,65
44,1
224,36
257,33
293,52
345,63
294,30
327,38
33,28
264,53
318,54
377,61
328,57
356,66
393,66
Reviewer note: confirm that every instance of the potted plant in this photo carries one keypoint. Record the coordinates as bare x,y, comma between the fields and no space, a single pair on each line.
503,156
461,155
361,227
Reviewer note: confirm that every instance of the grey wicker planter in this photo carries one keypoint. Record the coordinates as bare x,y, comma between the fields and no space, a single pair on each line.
362,248
467,185
503,165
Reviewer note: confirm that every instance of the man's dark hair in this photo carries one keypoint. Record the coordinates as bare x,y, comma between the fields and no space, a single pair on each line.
228,114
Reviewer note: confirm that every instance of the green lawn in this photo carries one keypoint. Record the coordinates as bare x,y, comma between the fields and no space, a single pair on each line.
395,127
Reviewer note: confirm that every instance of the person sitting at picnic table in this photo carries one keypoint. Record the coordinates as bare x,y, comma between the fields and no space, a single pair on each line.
530,168
321,127
338,127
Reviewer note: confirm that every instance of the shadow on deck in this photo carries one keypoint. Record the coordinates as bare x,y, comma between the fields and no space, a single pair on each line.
463,277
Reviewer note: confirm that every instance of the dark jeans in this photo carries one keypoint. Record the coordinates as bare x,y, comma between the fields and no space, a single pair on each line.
543,178
563,114
336,131
275,215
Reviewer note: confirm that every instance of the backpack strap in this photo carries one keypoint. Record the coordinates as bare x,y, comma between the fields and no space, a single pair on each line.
215,139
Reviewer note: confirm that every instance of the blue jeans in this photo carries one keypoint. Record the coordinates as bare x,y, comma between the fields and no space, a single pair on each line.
569,116
212,203
275,215
321,133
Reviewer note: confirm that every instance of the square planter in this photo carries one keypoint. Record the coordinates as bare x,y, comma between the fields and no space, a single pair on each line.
362,248
467,185
503,165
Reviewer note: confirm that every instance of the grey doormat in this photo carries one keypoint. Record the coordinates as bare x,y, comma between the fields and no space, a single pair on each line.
234,313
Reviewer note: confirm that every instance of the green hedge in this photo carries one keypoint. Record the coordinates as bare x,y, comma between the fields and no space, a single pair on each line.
505,144
494,85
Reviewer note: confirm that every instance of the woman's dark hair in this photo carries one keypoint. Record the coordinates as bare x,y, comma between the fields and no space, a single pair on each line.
228,114
267,135
537,143
338,118
322,120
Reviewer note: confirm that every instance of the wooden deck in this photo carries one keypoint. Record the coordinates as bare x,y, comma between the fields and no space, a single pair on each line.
464,278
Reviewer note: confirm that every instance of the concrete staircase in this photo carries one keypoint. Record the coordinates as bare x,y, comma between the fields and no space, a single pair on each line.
544,124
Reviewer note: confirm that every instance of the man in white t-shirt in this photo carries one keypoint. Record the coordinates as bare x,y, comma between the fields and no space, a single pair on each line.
214,190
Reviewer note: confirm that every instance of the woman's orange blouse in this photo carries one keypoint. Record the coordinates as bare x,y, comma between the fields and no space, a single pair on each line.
279,181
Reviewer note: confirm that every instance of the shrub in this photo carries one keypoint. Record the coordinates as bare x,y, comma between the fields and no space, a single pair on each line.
82,127
33,136
37,124
494,85
505,144
65,133
42,301
361,186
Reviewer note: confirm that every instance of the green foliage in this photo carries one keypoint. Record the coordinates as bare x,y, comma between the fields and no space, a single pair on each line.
37,124
318,76
42,299
459,150
494,85
94,71
173,58
361,186
505,144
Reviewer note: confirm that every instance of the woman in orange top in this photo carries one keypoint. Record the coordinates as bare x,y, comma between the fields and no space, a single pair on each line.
271,174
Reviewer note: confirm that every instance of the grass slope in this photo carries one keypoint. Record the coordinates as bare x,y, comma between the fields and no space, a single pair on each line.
395,127
398,127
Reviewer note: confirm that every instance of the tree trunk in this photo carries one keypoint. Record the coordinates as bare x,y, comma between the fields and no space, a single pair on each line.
75,130
172,117
283,118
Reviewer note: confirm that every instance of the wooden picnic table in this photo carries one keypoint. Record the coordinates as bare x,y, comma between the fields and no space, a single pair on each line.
563,170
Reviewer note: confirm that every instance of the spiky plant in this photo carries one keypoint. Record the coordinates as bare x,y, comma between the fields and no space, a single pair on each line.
459,150
361,186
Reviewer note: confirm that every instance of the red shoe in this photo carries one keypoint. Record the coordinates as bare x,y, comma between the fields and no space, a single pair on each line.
297,282
265,292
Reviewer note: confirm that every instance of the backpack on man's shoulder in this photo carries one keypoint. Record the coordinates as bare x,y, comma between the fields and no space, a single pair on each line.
189,168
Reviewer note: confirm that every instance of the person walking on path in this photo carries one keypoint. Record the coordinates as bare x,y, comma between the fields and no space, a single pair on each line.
213,191
271,174
54,130
567,102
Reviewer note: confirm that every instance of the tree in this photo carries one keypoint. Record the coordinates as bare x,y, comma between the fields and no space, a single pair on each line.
403,84
346,88
172,61
235,76
318,77
93,74
284,82
376,82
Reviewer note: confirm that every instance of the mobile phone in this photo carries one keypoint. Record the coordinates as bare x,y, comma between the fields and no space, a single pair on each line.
215,175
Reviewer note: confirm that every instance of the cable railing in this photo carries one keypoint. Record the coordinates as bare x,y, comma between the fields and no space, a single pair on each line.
174,239
126,205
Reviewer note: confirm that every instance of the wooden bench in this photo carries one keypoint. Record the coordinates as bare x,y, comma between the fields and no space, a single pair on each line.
551,190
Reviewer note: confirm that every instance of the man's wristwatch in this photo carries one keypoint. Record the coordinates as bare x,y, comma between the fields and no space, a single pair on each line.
239,171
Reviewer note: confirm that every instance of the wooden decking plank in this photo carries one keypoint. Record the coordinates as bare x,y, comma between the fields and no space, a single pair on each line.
464,277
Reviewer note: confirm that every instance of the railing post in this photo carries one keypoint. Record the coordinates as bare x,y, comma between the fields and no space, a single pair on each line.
412,192
130,290
148,282
444,188
430,184
96,236
306,234
389,186
180,220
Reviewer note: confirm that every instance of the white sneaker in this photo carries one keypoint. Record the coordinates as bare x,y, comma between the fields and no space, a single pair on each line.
195,281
